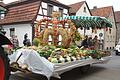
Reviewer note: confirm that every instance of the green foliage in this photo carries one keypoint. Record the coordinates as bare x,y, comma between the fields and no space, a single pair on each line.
45,54
77,36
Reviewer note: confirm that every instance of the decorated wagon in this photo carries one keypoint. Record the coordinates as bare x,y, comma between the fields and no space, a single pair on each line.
54,49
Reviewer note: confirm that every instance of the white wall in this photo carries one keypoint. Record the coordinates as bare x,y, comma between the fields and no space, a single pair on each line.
98,32
81,12
87,32
110,39
55,8
20,30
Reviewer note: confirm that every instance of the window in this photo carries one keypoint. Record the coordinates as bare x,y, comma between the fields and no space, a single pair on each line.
108,38
113,47
110,47
109,31
111,38
61,12
84,9
107,48
49,10
2,14
12,32
1,28
88,28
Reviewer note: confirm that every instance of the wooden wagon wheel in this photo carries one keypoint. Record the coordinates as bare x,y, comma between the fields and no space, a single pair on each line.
4,62
4,66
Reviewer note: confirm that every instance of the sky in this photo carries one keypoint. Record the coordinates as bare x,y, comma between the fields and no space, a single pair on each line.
91,3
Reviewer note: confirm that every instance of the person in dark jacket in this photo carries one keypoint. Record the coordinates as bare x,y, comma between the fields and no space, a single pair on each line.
90,41
85,42
96,42
26,41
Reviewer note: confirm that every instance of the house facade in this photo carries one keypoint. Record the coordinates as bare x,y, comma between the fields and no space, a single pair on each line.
81,9
107,36
21,16
117,18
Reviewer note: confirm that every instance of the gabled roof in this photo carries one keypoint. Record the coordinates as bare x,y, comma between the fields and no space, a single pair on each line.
55,2
117,16
76,6
103,12
24,11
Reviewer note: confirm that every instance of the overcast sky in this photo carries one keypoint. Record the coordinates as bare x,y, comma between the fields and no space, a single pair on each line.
91,3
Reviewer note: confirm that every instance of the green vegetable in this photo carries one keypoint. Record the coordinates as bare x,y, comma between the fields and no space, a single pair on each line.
36,41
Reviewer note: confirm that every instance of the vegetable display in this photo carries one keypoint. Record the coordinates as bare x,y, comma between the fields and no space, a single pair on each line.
61,55
65,50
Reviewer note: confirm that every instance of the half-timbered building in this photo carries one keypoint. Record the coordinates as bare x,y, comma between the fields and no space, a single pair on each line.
20,16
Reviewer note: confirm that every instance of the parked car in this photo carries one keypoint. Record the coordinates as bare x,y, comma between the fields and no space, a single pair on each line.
117,49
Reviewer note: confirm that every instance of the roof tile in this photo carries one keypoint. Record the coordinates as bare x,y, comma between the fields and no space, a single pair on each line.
21,13
103,12
24,10
76,6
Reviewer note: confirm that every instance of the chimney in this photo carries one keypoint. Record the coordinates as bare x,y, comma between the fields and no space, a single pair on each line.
95,7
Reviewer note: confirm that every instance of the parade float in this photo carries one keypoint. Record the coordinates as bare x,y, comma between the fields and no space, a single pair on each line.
54,49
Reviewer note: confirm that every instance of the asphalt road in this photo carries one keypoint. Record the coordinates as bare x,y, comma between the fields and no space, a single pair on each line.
108,71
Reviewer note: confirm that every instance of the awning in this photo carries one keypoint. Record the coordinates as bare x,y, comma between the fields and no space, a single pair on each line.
89,21
2,9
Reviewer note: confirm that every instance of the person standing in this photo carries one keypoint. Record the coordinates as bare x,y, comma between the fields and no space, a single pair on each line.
85,42
96,42
15,41
90,42
26,41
